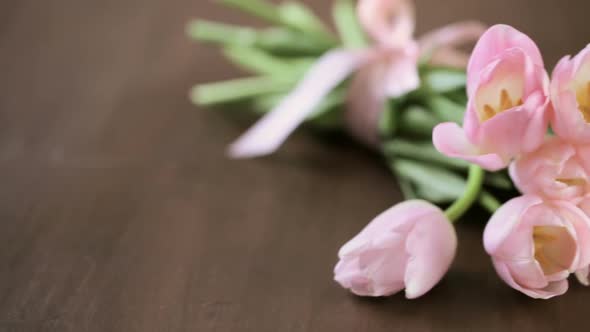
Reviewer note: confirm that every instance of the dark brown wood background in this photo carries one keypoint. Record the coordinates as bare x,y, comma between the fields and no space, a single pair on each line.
119,212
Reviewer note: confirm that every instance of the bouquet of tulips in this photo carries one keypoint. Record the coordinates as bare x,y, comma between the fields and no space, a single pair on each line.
449,123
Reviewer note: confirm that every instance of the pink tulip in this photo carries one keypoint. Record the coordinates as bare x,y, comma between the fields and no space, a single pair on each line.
554,171
570,94
536,244
507,86
409,246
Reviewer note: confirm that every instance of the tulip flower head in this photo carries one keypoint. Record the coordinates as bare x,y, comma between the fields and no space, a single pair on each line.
409,246
536,244
507,86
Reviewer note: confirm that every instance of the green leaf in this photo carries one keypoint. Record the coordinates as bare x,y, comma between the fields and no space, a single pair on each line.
388,121
423,152
443,80
298,16
347,24
417,120
292,15
256,60
282,40
275,40
215,32
258,8
445,109
237,89
434,184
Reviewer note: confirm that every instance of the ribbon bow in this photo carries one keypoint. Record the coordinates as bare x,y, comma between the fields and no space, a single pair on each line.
387,69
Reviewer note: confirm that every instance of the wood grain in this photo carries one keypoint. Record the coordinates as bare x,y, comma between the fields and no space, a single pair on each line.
119,212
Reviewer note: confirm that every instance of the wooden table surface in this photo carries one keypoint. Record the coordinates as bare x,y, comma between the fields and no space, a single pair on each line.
119,211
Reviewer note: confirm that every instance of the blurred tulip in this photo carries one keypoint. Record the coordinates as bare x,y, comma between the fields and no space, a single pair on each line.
409,246
507,86
388,68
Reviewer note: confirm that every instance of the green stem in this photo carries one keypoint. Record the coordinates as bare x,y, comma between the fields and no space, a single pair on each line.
470,195
489,202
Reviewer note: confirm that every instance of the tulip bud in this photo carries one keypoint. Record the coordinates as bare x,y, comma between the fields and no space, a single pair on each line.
409,246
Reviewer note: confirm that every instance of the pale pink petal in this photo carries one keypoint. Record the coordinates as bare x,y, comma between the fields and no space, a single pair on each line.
527,273
580,222
562,74
274,128
581,58
505,220
567,120
431,247
402,73
496,40
538,106
450,139
397,219
389,22
551,290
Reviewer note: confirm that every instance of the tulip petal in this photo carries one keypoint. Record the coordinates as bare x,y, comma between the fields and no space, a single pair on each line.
569,120
580,222
389,22
551,290
496,40
527,273
451,140
504,221
431,246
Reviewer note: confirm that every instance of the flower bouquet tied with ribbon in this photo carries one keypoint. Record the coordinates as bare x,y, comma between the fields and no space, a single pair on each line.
458,125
